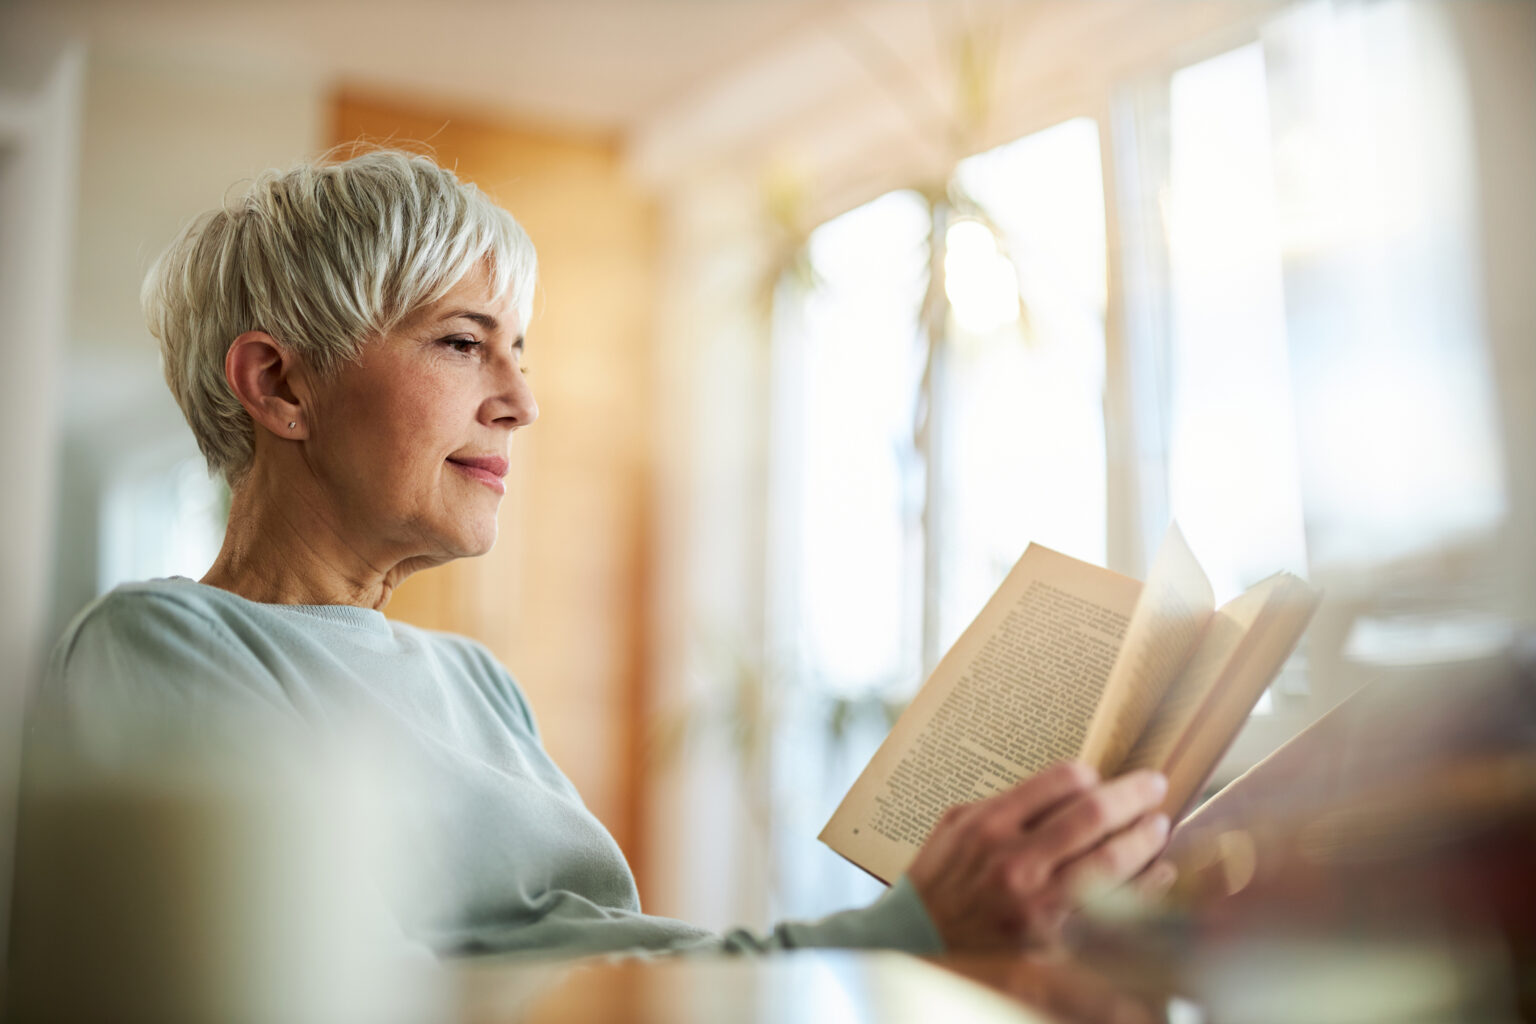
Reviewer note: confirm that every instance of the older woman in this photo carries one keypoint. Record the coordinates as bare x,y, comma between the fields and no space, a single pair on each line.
346,344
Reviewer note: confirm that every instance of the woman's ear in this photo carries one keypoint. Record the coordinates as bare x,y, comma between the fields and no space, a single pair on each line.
267,378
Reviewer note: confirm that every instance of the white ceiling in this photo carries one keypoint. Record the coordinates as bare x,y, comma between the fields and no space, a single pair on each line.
675,82
600,66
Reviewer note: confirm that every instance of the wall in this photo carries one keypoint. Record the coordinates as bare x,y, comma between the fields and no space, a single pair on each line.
1500,41
39,118
561,599
155,141
161,141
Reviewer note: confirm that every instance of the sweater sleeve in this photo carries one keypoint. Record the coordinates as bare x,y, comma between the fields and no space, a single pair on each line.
897,920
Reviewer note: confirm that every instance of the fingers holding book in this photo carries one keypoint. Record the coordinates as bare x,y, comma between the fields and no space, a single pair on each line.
1005,872
1112,809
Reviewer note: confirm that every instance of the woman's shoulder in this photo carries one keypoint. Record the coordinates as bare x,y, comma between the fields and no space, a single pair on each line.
171,617
151,652
168,591
179,608
160,610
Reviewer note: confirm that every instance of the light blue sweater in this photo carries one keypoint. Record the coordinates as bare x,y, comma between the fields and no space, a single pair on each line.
522,864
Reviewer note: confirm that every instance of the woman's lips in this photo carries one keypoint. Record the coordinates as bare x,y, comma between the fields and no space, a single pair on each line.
488,470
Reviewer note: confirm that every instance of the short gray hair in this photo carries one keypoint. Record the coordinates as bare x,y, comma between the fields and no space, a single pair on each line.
322,258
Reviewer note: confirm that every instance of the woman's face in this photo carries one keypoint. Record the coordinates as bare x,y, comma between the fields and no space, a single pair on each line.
410,442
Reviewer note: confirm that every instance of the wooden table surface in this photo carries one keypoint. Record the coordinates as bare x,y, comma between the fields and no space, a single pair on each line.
791,988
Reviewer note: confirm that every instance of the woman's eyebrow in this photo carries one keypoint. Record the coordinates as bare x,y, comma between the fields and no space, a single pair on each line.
485,320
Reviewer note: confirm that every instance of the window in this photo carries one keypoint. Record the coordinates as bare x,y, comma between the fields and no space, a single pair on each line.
1233,484
1025,449
1300,380
846,564
850,368
160,519
879,567
1232,477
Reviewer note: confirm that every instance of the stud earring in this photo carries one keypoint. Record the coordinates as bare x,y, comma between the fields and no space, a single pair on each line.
293,424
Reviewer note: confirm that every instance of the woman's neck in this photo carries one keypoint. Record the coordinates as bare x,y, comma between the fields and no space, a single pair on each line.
291,551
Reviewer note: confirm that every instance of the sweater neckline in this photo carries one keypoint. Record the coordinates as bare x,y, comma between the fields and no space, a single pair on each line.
370,619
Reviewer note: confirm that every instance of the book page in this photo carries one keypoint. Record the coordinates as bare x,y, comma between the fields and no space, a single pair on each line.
1175,605
1287,604
1014,694
1223,634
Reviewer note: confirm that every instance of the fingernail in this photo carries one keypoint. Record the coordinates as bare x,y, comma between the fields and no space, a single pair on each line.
1160,823
1160,782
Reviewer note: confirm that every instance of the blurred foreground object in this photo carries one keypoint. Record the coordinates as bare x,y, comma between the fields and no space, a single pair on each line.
1424,785
1379,866
207,886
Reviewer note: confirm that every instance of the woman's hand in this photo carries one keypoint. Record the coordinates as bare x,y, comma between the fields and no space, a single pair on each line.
1005,872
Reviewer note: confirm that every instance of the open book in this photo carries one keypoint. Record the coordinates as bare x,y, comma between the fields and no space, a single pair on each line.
1071,660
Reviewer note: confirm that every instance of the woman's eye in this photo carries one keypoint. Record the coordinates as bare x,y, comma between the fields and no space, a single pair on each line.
462,344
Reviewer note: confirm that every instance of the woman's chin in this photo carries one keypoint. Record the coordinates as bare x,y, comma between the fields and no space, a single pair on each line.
480,541
468,540
480,549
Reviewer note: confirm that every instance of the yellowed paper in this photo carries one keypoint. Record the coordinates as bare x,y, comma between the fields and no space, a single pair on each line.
1070,658
1175,713
1175,604
1015,693
1286,606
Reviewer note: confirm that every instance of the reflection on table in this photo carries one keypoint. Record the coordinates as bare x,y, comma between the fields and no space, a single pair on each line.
814,985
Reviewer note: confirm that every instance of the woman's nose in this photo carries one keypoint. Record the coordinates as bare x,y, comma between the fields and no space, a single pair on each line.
513,404
527,405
